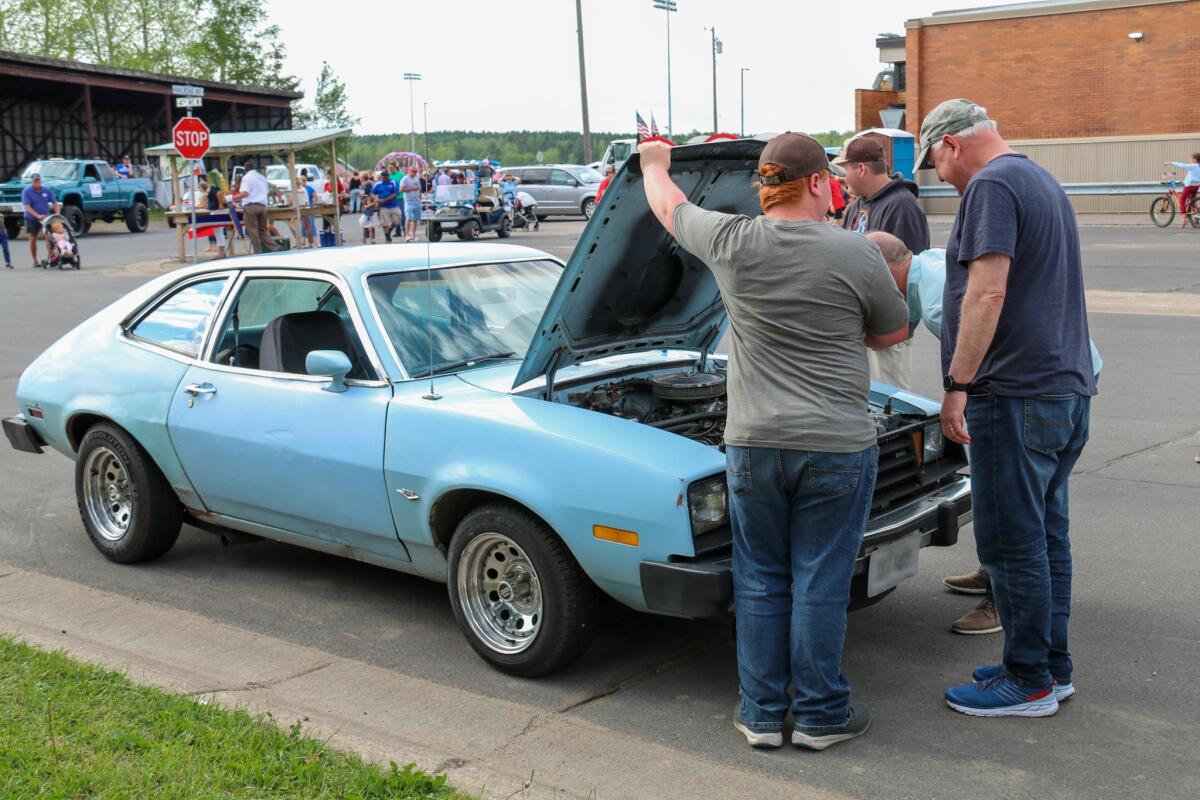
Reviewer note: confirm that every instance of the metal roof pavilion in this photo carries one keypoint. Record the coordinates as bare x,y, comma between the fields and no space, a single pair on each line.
290,141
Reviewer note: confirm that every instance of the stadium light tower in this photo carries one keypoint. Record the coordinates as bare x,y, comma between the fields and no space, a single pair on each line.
718,47
669,7
412,118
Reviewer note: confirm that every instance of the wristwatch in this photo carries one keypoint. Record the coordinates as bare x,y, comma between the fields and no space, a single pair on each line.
951,385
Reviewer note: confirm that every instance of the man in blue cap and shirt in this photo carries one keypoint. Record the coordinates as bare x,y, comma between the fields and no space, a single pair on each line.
1018,379
39,203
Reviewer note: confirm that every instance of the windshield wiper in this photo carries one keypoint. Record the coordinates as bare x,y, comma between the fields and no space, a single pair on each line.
466,362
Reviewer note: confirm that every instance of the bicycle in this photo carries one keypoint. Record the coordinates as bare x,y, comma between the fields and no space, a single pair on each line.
1162,209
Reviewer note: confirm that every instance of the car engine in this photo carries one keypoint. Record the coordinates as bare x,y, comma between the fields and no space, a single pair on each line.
690,404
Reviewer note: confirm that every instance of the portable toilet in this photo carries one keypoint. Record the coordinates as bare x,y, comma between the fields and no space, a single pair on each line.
899,148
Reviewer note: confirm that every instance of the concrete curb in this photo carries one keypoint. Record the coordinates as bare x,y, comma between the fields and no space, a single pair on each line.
484,744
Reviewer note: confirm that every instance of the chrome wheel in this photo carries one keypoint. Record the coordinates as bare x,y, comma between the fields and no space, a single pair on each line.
500,593
107,494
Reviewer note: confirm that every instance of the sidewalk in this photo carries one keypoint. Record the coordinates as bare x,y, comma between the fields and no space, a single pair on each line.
482,743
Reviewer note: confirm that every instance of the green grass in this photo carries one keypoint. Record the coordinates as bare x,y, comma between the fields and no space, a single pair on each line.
72,730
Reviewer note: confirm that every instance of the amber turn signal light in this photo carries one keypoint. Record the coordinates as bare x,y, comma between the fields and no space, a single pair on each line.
615,535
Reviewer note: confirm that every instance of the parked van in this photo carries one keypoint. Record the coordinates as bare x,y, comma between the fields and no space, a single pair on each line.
566,189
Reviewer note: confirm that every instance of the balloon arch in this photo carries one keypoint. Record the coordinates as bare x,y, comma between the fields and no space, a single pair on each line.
405,160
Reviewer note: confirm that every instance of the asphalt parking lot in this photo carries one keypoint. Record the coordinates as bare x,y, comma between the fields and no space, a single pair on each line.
1131,732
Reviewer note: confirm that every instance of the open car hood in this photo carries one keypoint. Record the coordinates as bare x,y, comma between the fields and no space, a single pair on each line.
628,286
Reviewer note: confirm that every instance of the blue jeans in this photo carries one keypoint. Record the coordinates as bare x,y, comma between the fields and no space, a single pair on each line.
1022,454
798,518
4,246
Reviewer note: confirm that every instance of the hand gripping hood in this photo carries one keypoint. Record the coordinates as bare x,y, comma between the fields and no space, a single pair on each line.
628,286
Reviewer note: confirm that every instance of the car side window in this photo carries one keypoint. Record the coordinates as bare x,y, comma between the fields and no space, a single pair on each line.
559,177
536,176
181,321
90,171
275,322
106,173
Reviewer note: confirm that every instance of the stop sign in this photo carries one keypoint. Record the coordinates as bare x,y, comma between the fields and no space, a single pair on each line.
190,137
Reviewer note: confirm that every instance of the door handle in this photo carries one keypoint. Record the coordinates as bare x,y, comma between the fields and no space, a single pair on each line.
199,388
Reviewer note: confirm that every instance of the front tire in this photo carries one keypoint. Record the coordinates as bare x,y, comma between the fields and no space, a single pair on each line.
433,232
129,510
76,219
1162,211
505,229
517,593
137,218
468,231
589,207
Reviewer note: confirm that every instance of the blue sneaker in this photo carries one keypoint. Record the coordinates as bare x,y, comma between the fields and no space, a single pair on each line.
999,697
1061,690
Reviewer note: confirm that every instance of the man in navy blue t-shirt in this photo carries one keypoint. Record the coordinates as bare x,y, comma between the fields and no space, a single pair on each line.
1019,383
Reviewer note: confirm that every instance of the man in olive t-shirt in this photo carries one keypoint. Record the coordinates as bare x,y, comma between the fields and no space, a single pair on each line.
804,302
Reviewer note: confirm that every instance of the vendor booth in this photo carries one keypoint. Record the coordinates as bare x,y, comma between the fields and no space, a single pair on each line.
227,146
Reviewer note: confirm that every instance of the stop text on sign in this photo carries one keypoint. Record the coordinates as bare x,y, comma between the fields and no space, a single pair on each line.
191,138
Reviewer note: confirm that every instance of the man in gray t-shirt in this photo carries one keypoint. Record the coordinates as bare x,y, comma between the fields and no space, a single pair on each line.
804,302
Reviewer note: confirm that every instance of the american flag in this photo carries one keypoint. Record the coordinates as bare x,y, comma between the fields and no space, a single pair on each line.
653,125
642,131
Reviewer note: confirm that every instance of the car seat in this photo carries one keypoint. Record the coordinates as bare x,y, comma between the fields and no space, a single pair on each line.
287,340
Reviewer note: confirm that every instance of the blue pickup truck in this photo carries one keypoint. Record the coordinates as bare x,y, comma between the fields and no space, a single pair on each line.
88,190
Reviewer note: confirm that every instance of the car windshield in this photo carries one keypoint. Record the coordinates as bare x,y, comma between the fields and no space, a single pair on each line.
588,175
621,150
52,170
478,311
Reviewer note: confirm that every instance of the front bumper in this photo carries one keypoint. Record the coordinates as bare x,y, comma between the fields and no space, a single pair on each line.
22,436
704,588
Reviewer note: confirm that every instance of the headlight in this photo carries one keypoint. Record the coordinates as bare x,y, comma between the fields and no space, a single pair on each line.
935,445
708,504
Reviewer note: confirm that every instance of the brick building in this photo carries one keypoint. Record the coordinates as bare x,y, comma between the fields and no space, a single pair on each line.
1096,90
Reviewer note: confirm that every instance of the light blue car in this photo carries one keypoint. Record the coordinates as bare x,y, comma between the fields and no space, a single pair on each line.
533,435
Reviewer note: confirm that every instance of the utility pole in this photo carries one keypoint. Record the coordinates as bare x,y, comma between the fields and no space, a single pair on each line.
587,132
717,47
411,77
669,7
742,128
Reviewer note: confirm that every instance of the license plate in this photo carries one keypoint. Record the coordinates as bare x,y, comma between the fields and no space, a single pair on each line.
892,563
20,207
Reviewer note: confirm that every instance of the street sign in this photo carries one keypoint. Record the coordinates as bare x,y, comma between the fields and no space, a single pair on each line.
190,137
187,91
189,102
540,156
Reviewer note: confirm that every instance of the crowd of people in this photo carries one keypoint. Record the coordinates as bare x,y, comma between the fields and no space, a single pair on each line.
1005,299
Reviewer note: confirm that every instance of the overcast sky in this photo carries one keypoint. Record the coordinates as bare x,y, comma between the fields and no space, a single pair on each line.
504,65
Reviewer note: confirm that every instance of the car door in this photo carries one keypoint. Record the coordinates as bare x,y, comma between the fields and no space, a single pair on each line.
265,443
564,191
537,183
110,188
92,190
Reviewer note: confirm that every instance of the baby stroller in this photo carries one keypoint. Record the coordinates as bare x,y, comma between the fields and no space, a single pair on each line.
62,249
524,215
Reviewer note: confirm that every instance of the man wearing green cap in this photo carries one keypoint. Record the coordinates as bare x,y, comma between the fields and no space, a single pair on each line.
1019,381
804,301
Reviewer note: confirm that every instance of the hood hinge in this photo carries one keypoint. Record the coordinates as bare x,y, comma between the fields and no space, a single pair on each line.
551,369
709,342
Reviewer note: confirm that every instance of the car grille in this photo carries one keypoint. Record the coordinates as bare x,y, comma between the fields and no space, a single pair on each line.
899,473
10,195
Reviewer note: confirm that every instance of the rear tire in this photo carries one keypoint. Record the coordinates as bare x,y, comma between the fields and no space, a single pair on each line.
12,228
1162,211
137,218
505,229
129,510
517,593
468,230
589,207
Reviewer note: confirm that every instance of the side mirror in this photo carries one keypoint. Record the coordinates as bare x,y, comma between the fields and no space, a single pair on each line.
333,364
574,182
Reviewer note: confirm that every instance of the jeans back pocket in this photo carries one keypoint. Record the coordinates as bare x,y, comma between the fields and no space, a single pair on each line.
1049,422
834,474
737,469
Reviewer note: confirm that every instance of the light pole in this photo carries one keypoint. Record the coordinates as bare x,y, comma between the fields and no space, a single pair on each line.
742,129
587,133
410,77
669,7
717,48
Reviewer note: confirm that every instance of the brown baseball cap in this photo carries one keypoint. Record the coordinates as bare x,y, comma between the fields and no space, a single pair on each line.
798,155
861,151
